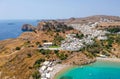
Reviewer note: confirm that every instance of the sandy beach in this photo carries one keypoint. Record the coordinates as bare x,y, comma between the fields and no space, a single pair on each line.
58,68
109,59
61,67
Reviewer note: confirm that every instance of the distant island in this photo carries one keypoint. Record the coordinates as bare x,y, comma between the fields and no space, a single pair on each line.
56,44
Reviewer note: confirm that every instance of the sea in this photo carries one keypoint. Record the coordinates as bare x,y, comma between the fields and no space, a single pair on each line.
97,70
12,28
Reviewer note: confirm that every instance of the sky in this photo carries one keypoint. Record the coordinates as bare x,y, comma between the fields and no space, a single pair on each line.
57,9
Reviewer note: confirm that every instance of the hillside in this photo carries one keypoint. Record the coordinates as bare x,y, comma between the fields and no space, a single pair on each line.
21,58
88,19
18,56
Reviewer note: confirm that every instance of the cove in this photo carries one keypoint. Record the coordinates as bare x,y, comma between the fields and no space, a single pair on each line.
98,70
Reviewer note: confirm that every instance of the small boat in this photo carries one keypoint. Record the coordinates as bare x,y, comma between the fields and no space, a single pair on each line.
11,23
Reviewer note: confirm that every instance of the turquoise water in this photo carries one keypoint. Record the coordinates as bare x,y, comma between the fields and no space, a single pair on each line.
98,70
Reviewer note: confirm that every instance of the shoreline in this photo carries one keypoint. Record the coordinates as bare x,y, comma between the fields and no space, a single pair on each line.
109,59
60,68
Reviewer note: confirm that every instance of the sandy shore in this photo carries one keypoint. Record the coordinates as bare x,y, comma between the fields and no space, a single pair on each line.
58,68
109,59
62,67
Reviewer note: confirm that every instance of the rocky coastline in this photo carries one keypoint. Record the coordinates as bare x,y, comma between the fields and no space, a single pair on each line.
47,25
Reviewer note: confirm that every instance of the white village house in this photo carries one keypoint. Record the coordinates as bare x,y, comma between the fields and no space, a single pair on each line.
47,44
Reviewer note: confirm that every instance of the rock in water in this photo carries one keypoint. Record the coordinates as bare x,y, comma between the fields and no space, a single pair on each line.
28,27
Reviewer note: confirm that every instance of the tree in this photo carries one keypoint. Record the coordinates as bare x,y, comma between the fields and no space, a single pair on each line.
80,36
44,41
37,43
38,63
44,52
56,51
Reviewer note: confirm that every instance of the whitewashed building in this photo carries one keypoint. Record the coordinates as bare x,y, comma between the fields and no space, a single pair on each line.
47,44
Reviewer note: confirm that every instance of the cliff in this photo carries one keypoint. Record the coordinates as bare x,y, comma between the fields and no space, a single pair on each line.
28,27
47,25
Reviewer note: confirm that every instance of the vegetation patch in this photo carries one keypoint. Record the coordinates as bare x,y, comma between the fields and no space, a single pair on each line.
57,39
36,75
113,30
17,48
38,63
45,52
54,47
80,36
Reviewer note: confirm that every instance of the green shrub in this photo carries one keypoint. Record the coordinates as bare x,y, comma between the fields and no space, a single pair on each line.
37,43
44,52
80,36
17,48
56,51
38,63
28,41
29,55
62,56
44,41
36,75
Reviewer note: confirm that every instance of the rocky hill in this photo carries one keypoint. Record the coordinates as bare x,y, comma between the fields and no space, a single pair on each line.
88,19
47,26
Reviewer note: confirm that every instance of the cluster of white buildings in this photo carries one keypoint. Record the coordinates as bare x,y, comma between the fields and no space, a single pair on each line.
89,31
106,20
46,69
71,43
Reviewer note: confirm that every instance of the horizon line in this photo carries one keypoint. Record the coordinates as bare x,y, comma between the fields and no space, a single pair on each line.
61,18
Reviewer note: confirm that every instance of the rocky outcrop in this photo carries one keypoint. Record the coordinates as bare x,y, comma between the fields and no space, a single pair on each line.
52,25
28,27
79,59
47,25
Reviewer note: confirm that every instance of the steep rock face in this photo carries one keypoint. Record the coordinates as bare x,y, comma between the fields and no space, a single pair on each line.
47,25
53,25
43,26
28,27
